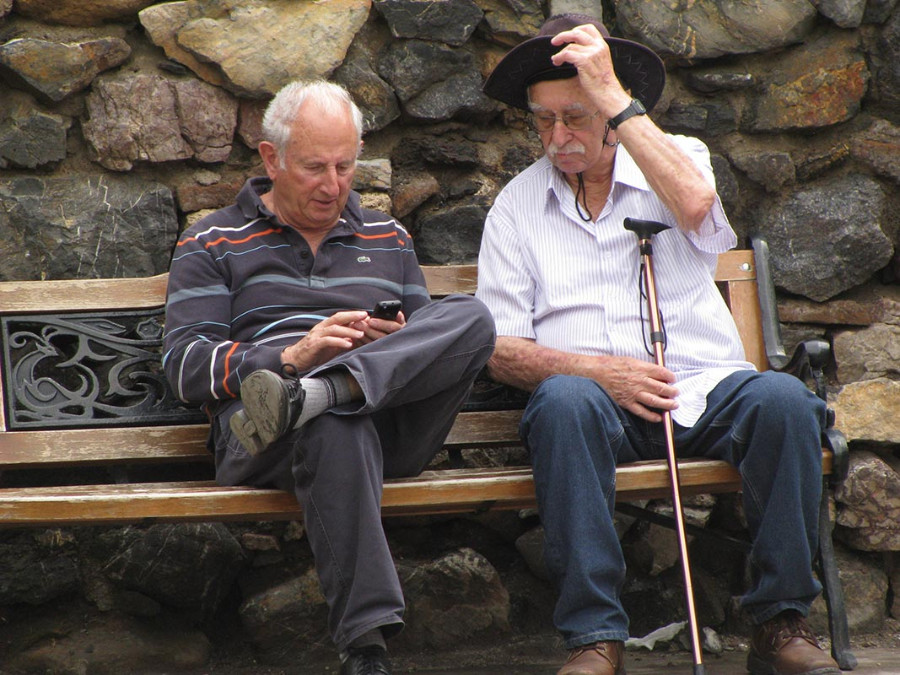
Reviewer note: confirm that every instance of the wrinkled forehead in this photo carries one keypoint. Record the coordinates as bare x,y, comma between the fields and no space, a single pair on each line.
558,95
316,149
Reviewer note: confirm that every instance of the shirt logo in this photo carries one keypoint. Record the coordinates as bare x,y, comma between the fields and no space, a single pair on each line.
363,259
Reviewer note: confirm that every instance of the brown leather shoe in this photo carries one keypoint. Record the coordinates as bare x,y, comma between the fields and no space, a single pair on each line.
784,645
598,658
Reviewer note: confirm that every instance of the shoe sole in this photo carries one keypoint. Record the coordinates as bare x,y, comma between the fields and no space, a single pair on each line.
621,671
245,431
266,409
758,666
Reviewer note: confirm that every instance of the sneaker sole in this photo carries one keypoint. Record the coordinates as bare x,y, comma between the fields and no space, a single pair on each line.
245,431
264,394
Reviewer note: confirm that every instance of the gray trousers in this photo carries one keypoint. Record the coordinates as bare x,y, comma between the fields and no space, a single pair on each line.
414,382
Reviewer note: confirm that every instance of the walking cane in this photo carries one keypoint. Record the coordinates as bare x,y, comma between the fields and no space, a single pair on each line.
645,229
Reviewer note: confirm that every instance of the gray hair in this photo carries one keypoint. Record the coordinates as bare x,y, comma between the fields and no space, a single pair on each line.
328,97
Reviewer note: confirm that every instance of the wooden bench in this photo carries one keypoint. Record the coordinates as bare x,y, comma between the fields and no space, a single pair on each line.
91,435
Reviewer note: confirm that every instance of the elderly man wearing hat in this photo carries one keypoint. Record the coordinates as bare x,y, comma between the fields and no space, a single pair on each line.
561,277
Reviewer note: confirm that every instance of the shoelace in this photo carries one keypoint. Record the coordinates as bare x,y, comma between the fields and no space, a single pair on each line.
789,627
370,661
295,393
289,373
601,648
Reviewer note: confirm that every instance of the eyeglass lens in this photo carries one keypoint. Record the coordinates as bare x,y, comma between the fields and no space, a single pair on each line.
573,121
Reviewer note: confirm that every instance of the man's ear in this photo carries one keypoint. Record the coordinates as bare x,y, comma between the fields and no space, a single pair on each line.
270,158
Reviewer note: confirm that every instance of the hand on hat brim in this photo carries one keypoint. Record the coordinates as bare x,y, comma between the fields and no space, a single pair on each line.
586,36
589,53
570,35
638,68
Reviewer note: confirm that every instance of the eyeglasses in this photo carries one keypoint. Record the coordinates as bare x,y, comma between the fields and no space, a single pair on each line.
576,121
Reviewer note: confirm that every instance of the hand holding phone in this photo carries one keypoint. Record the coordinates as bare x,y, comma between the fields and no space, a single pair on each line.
386,309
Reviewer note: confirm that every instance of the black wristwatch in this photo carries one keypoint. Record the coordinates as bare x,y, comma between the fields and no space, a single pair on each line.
634,108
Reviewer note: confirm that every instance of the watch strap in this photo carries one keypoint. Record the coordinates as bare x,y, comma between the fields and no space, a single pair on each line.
634,108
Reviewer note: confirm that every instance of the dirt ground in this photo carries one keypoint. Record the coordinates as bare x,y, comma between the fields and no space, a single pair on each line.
877,654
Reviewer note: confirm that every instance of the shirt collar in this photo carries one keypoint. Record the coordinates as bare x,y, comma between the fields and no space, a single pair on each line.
625,171
249,200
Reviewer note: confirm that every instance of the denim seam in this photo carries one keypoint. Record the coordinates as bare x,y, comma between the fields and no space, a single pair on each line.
615,441
761,616
597,636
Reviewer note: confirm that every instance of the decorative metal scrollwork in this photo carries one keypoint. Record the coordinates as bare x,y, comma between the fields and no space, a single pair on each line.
88,370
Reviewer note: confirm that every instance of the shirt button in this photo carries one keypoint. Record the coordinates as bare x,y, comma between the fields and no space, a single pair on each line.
304,254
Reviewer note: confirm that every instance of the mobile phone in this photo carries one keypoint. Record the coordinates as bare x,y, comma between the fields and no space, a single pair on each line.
386,309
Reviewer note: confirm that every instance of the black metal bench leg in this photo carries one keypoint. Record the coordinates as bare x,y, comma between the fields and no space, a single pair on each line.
831,583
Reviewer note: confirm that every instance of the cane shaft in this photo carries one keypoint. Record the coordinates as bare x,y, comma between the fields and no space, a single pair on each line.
657,339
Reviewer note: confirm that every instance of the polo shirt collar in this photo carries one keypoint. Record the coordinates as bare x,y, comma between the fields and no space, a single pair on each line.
249,199
250,202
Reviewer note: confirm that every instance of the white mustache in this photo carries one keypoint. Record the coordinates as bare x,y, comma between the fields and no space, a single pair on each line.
572,147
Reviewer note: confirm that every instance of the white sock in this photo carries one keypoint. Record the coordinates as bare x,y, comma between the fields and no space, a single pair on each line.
323,392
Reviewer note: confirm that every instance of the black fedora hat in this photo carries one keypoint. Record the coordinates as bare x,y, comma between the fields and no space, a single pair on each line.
637,67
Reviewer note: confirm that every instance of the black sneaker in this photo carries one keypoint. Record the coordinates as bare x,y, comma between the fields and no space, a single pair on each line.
372,660
272,404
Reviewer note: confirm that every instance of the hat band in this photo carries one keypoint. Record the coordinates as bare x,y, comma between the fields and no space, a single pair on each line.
555,73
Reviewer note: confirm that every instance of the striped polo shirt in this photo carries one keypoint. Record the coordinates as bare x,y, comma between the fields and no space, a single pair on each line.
242,286
571,285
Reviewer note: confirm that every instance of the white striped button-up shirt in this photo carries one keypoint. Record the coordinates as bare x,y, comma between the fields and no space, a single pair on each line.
571,285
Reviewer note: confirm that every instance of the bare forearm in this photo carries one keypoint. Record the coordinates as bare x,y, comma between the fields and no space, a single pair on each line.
638,386
524,364
671,173
517,362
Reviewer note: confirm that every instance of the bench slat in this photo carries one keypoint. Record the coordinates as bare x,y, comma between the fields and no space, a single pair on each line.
142,502
446,279
485,429
187,443
82,295
736,265
432,493
110,446
85,295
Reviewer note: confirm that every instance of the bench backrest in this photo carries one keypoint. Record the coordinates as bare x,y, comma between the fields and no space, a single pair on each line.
171,434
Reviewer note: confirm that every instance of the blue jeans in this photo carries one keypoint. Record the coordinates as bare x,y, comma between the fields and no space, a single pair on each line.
768,425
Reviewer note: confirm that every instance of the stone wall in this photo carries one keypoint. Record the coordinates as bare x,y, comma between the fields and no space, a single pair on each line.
123,120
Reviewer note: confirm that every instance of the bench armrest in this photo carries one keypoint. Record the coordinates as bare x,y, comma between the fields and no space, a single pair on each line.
808,360
811,356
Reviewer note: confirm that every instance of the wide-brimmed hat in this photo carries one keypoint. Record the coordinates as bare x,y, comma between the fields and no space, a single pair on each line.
637,67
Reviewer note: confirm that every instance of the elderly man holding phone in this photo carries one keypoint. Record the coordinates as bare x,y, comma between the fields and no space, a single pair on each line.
284,321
